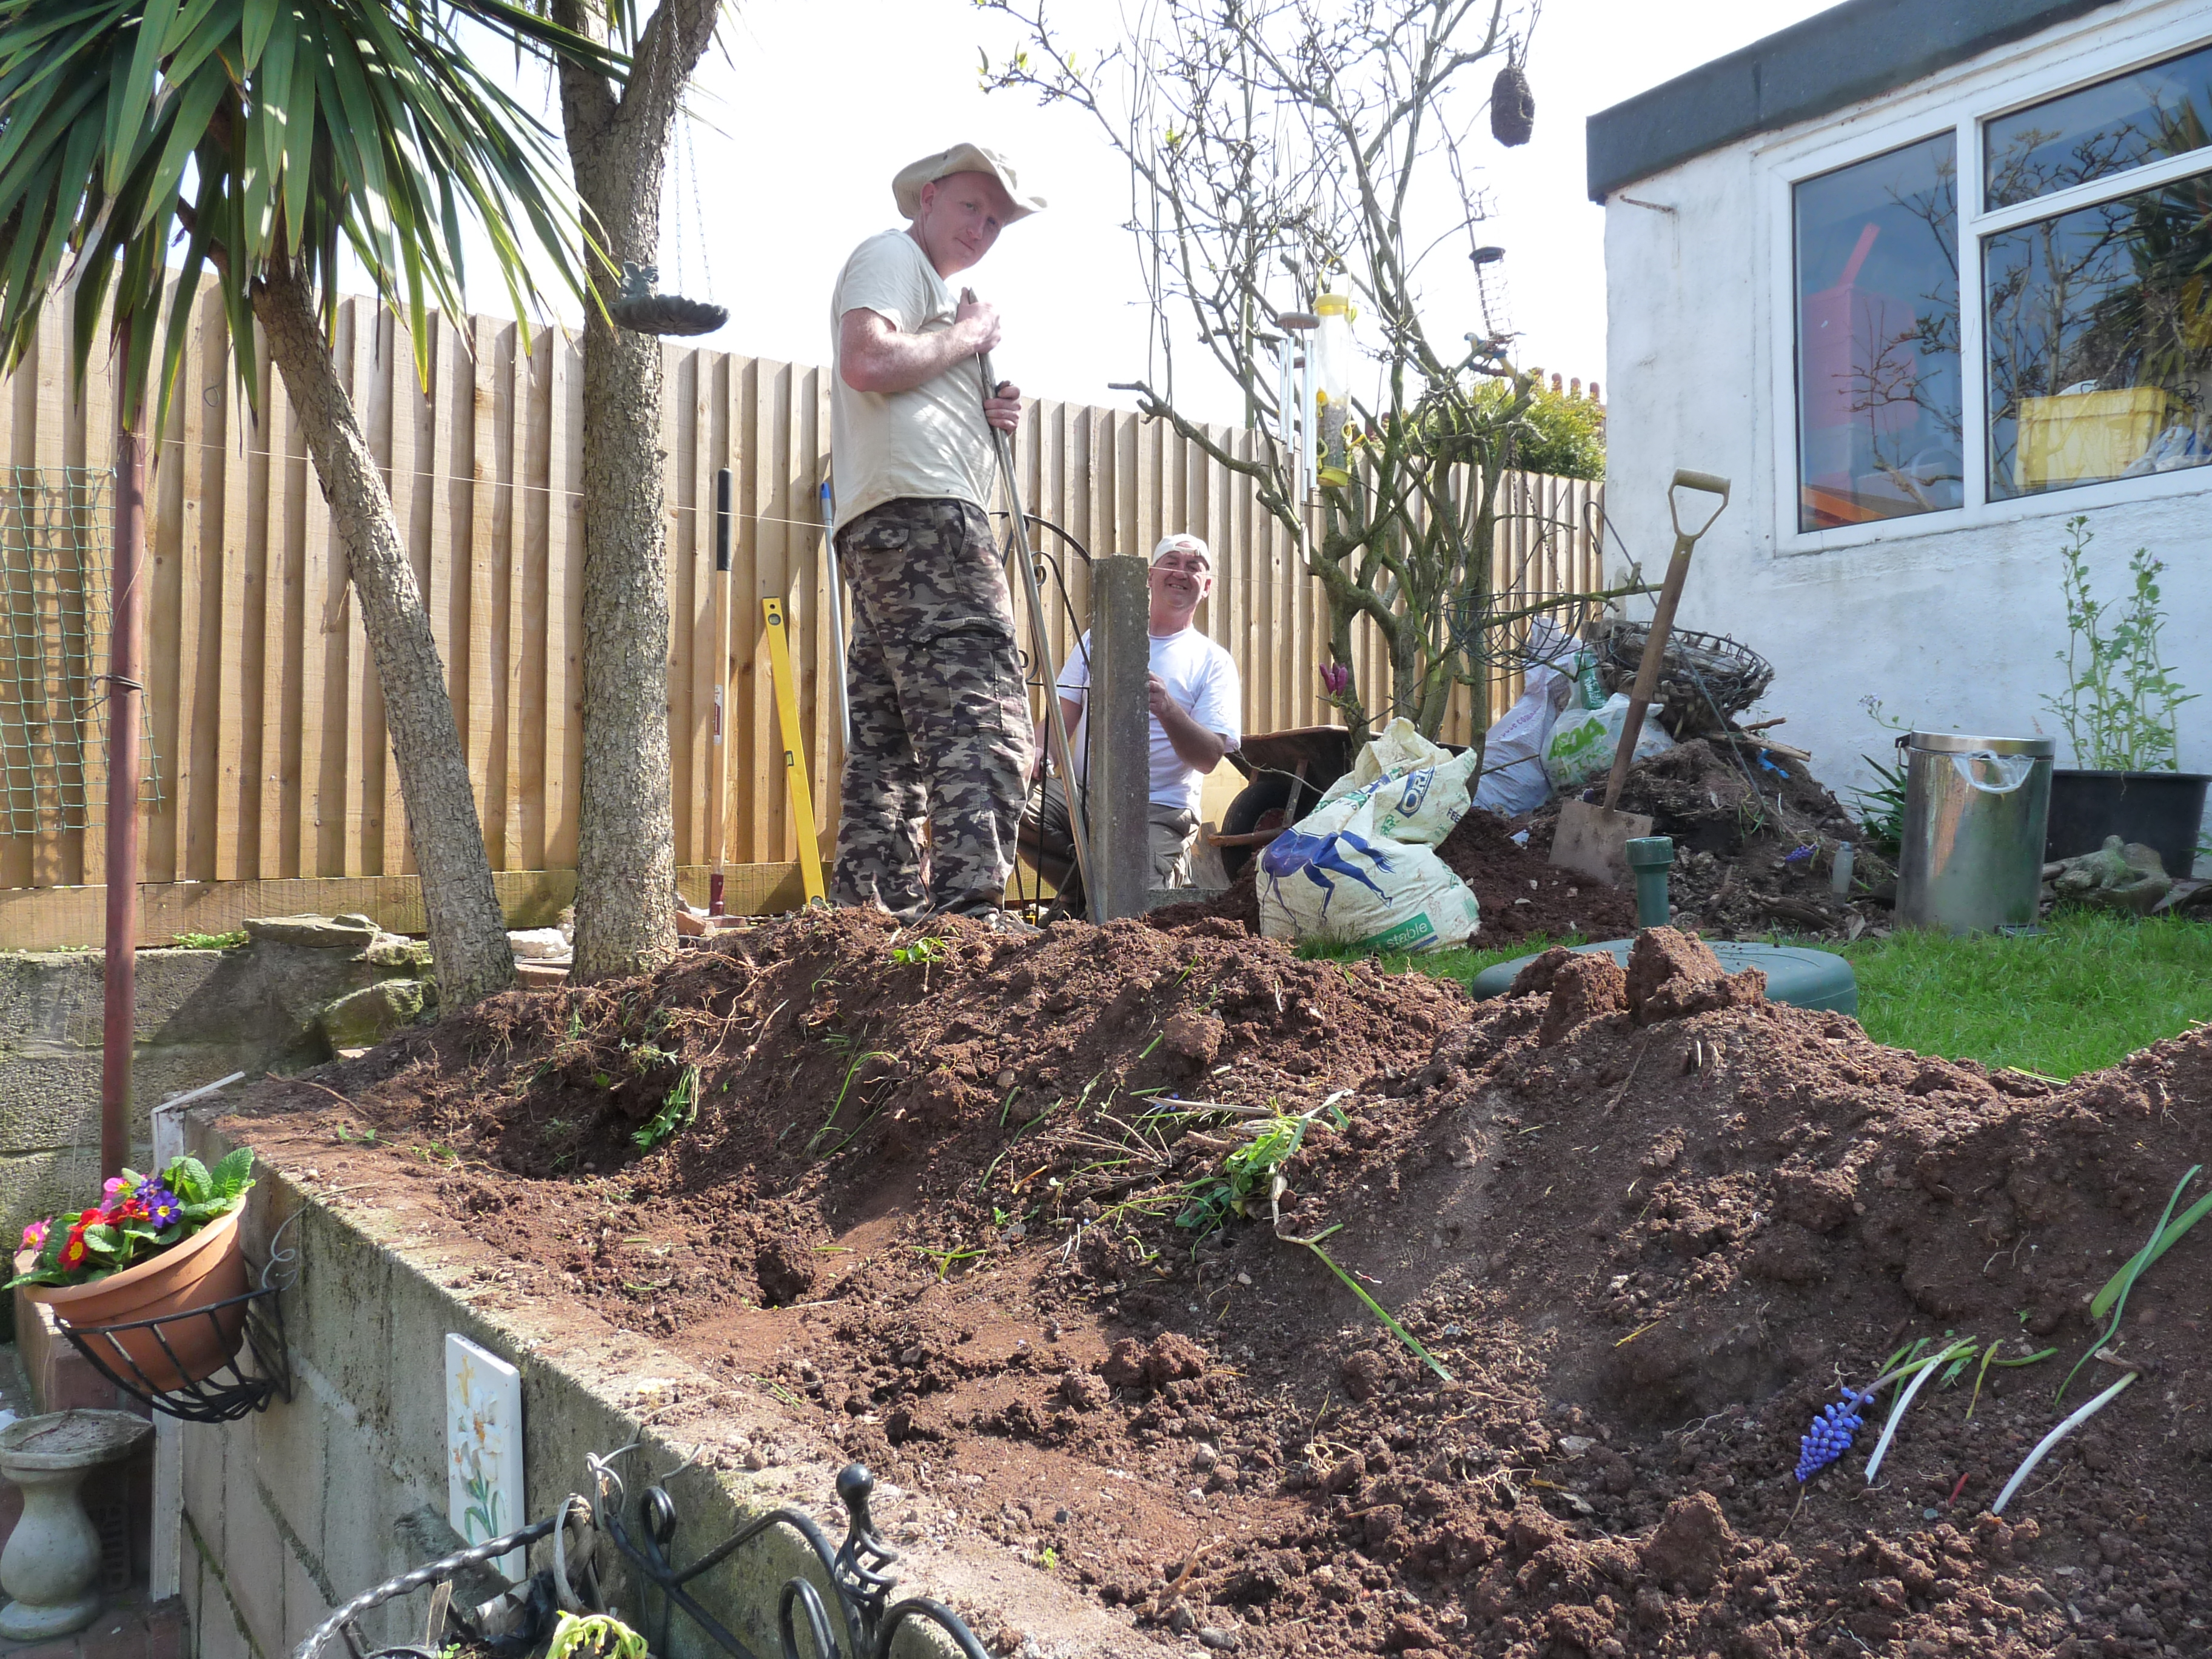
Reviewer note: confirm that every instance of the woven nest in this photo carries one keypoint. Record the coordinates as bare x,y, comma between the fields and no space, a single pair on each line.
641,308
1704,678
1512,107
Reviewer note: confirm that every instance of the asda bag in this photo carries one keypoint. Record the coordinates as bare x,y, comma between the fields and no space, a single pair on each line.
1361,867
1582,743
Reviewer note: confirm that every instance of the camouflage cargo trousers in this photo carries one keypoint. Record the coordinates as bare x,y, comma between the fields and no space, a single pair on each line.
940,716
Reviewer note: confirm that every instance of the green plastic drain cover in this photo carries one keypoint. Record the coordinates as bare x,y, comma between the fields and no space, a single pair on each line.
1797,975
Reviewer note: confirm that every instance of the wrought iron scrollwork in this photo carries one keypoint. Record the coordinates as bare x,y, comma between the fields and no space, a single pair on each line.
863,1624
858,1571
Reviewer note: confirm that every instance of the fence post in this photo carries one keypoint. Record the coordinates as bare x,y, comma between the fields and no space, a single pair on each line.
1121,738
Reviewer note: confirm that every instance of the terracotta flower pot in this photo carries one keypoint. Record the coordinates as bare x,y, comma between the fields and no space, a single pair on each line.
208,1267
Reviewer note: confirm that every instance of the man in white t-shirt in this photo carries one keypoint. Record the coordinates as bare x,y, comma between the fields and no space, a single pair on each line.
939,713
1196,708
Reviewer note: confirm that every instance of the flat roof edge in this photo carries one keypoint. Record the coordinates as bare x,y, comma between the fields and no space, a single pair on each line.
1844,56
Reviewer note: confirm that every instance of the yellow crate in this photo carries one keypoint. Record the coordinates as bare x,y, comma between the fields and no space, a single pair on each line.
2077,437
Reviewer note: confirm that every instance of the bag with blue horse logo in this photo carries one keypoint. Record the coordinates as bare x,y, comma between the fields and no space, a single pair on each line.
1361,868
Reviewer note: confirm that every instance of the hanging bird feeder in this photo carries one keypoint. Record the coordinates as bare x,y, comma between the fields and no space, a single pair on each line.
639,307
1512,106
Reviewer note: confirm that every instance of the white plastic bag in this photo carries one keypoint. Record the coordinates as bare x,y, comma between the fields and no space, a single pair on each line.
1582,745
1513,779
1360,867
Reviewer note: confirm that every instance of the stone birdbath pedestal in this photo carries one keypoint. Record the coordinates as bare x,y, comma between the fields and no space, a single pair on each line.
53,1557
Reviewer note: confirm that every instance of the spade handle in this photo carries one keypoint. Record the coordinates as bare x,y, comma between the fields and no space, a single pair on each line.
1662,625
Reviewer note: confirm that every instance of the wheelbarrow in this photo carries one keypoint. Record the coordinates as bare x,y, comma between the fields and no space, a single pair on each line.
1285,773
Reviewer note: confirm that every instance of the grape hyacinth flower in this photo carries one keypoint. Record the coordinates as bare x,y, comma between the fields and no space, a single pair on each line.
1830,1437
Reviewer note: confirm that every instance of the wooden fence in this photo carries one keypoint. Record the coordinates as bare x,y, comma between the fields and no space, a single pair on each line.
276,790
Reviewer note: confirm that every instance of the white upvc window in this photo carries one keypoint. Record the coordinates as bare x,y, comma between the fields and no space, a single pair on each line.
1998,292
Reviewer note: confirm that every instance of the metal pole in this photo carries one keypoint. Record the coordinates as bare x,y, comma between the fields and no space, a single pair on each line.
1056,725
717,807
836,611
124,696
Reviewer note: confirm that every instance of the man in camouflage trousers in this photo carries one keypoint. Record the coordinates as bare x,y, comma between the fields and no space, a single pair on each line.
940,716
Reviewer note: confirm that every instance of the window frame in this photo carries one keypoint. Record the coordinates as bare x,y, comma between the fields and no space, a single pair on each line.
1961,102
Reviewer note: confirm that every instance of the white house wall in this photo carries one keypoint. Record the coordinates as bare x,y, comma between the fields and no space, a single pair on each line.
1953,620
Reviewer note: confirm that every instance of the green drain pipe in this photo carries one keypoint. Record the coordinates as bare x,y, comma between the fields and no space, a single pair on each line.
1650,857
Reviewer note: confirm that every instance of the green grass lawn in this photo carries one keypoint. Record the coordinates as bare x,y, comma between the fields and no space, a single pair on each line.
2095,987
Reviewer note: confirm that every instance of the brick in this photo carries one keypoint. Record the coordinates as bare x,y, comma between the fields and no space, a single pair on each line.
119,1634
165,1629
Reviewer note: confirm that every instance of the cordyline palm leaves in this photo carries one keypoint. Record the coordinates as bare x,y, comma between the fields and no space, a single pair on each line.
254,138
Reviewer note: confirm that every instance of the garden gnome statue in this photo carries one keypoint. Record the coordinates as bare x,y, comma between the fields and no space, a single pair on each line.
52,1563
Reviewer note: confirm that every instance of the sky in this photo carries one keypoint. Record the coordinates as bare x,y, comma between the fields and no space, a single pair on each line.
803,112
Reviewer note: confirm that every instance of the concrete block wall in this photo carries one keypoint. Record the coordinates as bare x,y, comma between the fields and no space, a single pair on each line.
303,1506
201,1016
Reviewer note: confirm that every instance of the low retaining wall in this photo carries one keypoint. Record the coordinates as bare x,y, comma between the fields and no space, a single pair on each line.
201,1016
306,1504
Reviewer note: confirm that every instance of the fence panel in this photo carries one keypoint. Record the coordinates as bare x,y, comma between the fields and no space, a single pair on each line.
264,706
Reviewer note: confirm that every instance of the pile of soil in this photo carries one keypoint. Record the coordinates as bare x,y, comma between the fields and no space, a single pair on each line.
935,1203
1520,895
1751,861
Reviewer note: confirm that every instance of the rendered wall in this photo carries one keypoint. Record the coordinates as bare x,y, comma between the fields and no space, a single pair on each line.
1953,625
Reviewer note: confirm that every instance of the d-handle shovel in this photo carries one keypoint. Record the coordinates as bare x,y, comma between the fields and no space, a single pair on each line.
1593,839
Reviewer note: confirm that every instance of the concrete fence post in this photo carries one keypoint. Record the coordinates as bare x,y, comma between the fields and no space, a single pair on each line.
1121,738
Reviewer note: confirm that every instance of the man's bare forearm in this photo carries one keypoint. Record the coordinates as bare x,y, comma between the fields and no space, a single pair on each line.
885,360
1193,743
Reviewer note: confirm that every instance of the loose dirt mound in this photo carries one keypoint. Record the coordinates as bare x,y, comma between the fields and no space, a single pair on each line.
1521,894
1748,861
1647,1221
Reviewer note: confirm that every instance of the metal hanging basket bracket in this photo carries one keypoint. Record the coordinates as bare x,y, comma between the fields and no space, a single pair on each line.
237,1389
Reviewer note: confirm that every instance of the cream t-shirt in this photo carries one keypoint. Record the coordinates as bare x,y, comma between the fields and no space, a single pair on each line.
931,441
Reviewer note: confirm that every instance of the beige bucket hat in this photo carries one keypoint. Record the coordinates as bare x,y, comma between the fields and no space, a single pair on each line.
960,158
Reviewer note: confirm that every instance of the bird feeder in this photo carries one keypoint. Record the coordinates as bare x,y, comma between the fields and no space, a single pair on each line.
639,307
1332,351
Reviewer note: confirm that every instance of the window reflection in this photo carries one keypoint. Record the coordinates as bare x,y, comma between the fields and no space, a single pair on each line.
2100,341
2150,112
1880,409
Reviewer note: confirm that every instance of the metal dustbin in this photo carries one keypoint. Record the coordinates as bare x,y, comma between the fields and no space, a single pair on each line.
1971,857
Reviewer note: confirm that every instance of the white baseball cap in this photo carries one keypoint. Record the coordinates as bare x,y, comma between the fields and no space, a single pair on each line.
1183,544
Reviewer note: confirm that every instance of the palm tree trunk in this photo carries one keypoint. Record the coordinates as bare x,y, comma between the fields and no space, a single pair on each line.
625,841
468,932
625,830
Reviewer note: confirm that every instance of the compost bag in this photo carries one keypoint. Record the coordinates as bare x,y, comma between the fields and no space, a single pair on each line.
1582,745
1361,868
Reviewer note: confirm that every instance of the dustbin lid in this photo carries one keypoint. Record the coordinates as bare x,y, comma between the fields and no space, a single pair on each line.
1796,974
1950,743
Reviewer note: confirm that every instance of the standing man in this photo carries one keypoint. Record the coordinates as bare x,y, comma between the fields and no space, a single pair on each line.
940,717
1196,699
